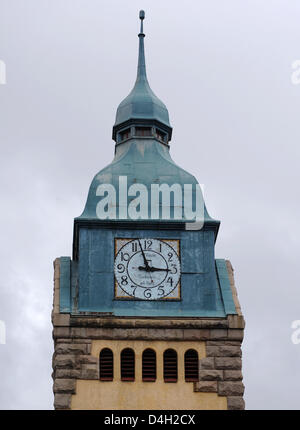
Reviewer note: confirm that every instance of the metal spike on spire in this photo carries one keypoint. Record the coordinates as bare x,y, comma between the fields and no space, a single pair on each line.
142,17
141,72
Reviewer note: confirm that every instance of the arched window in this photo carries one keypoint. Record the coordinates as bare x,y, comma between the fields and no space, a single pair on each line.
149,365
106,365
191,365
127,365
170,365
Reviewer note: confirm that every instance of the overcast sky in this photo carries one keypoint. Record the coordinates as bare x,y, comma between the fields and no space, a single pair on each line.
223,68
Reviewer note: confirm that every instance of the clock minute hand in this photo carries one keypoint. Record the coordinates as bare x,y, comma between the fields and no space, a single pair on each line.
144,257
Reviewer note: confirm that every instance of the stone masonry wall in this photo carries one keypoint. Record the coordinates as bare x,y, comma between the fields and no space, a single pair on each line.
219,372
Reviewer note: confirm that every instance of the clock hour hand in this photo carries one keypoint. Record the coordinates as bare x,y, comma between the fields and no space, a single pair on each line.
153,269
156,269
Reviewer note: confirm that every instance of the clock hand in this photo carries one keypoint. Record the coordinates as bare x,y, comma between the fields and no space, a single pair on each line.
146,262
156,269
148,270
153,269
144,257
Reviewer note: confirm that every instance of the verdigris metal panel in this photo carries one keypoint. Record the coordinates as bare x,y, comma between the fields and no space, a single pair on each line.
145,162
200,291
224,282
65,284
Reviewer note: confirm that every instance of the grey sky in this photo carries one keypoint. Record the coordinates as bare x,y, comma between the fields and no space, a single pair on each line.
224,71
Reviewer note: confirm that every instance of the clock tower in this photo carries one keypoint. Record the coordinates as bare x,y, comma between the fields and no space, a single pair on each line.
144,316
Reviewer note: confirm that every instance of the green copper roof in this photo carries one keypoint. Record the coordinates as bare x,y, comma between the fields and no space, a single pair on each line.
142,103
143,161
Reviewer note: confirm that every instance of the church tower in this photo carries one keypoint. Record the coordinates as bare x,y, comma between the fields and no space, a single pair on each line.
144,316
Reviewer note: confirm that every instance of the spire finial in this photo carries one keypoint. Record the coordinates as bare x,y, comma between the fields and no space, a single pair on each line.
141,72
142,103
142,17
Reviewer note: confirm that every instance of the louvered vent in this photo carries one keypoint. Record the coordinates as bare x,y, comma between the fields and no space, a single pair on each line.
127,365
149,365
191,365
170,365
106,365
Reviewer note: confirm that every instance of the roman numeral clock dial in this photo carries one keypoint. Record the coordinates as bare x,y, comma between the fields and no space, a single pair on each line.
147,269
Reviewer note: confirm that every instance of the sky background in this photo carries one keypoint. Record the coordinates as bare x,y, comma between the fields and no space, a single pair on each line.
224,71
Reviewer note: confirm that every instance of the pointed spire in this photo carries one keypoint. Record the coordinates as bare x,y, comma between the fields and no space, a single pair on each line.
142,106
141,70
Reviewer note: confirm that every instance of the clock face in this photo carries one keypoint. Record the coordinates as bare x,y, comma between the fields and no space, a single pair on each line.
147,269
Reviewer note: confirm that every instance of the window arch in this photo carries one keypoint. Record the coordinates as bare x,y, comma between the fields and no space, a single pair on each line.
127,365
106,365
191,365
149,365
170,365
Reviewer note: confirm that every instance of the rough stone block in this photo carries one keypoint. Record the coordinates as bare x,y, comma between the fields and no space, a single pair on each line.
233,342
77,332
218,333
98,333
59,332
89,372
236,321
117,333
64,386
235,403
64,360
195,334
139,333
87,341
215,342
165,334
63,340
206,386
229,388
223,351
67,373
235,334
88,359
230,363
61,320
175,334
233,375
210,375
62,401
71,348
207,363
